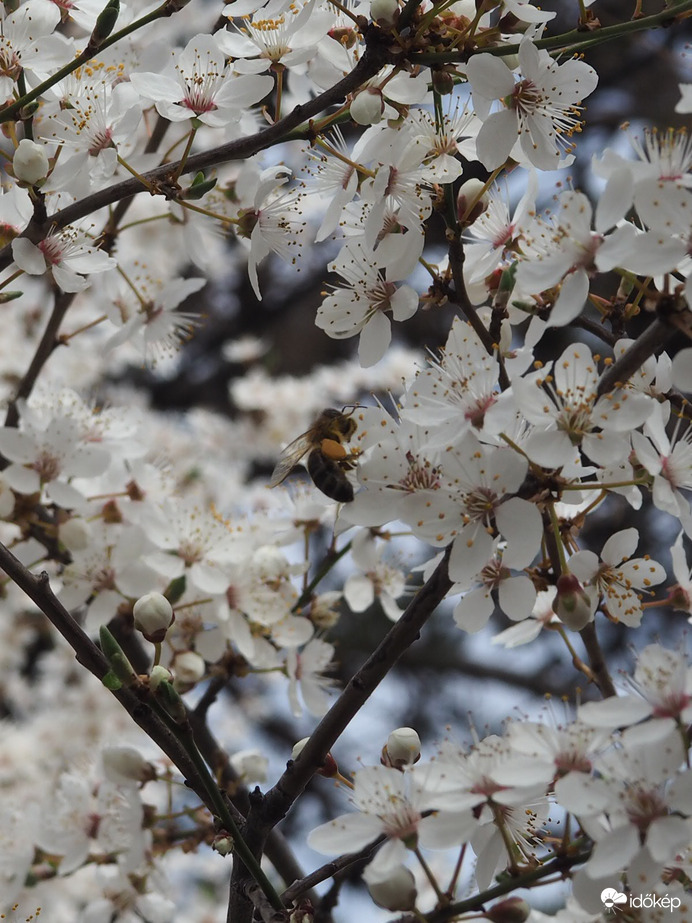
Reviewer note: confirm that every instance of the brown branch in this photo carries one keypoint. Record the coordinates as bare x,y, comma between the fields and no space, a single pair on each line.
44,350
265,812
456,263
374,58
328,870
90,656
646,345
597,664
277,848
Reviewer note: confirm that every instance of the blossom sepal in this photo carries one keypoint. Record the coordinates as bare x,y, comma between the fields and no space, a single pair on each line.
122,672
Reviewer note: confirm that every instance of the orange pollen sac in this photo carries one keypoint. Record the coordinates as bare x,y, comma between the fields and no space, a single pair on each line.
333,449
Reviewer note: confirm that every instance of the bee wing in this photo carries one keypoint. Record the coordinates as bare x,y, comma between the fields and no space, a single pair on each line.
289,458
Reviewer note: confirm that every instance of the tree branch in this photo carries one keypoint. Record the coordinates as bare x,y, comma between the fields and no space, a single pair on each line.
266,812
374,58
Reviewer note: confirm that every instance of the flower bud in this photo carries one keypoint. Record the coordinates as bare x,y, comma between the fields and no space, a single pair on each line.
250,765
159,675
223,844
189,668
402,748
30,162
125,764
572,605
153,616
443,82
75,534
329,767
384,12
396,892
471,201
368,107
303,912
344,36
512,910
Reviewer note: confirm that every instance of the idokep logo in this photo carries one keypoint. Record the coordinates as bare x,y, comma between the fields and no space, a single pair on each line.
611,897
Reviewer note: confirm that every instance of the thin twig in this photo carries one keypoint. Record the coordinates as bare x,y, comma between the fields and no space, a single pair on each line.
374,58
266,812
646,345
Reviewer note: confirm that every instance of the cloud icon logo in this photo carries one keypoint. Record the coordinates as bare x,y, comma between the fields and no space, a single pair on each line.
610,897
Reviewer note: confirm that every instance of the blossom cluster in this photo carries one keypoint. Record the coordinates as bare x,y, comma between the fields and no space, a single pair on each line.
616,773
340,132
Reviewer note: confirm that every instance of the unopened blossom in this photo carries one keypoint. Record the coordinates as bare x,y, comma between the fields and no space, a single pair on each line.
126,765
568,413
153,616
251,765
68,256
199,85
395,892
363,304
541,109
619,578
397,804
30,162
188,668
402,748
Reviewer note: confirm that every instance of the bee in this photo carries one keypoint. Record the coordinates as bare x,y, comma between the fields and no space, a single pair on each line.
328,459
